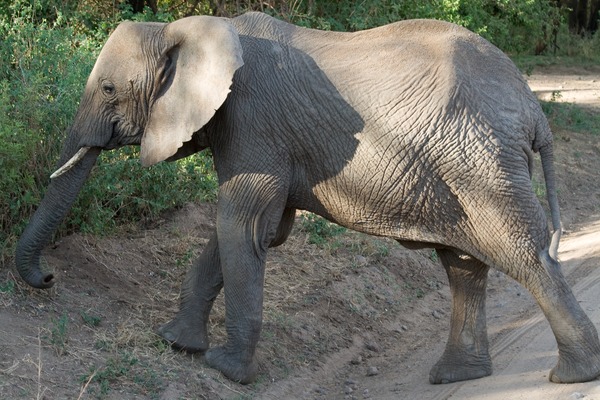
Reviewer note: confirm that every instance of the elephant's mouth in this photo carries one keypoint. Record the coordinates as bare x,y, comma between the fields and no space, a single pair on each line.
125,133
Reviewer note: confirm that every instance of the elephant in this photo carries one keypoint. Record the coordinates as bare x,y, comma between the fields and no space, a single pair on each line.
420,131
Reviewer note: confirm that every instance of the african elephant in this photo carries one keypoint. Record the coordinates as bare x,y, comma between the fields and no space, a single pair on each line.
420,131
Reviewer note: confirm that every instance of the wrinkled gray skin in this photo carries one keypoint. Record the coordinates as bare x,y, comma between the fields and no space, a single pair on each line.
420,131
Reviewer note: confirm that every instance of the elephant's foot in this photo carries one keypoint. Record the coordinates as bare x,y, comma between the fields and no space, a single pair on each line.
568,370
454,368
232,365
184,336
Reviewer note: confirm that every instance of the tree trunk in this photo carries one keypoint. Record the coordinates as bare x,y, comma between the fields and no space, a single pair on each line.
583,15
138,5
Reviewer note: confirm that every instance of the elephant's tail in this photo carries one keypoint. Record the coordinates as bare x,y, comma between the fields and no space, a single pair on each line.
547,156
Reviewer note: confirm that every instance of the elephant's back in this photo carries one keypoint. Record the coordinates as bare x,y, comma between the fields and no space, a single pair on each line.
417,81
424,76
404,114
393,61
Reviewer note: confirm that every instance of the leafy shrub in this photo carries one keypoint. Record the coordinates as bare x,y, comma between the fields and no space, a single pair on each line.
120,190
45,66
319,230
513,25
46,63
572,117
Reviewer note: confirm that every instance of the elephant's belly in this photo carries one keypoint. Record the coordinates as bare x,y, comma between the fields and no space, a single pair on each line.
401,201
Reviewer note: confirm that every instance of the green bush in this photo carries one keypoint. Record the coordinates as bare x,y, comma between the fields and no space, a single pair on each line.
44,68
513,25
319,230
120,190
45,64
572,117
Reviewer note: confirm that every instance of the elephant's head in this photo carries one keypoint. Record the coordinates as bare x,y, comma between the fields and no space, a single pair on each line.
153,85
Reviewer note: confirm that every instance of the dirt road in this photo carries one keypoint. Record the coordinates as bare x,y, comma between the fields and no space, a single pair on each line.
570,85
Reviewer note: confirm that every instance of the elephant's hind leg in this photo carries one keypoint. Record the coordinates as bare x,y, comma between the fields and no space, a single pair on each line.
576,336
466,355
203,282
522,253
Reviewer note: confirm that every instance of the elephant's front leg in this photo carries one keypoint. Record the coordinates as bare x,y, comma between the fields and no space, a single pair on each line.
202,284
466,355
247,223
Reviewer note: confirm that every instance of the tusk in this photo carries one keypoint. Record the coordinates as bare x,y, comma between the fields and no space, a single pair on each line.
71,163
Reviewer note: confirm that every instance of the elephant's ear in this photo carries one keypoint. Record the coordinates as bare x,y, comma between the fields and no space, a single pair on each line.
193,79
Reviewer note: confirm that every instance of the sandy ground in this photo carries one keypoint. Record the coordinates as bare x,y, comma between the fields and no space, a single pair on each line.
572,85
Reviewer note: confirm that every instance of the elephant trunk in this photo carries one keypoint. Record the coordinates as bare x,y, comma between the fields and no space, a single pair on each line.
57,201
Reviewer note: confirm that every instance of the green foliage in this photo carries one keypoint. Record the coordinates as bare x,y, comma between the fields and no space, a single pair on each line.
59,335
433,255
414,292
7,287
125,366
354,16
571,116
114,369
90,320
513,25
319,230
46,59
45,66
539,188
120,190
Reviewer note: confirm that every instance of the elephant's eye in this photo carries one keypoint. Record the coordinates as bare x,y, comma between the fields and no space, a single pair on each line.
108,88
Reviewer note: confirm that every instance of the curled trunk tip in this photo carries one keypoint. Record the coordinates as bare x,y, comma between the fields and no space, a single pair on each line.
42,281
33,276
